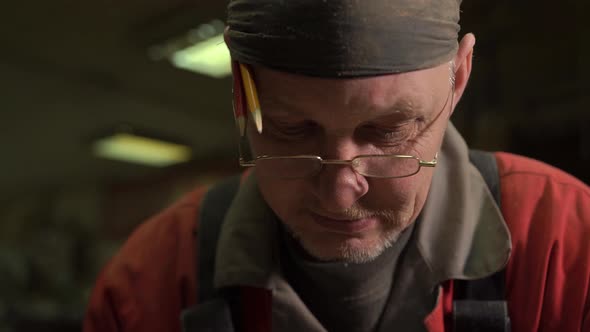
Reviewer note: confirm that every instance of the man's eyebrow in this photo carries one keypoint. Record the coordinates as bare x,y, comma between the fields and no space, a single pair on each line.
404,106
280,106
401,108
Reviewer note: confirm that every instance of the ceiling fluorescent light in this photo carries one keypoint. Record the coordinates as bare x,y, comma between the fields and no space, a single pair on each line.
201,50
141,150
210,57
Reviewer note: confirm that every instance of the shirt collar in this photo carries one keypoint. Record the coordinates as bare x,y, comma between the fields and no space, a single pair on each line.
247,251
462,234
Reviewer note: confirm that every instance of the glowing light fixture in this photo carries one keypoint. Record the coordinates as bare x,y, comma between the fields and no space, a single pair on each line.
210,57
201,50
141,150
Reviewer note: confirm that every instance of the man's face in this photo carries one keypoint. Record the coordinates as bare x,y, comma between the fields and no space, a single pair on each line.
339,214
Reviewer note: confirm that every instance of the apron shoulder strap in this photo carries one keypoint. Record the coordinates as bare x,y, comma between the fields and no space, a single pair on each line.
480,305
213,210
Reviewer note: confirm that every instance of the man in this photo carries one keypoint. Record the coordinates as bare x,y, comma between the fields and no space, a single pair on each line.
362,211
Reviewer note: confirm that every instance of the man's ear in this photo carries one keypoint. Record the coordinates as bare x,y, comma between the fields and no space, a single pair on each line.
463,61
226,35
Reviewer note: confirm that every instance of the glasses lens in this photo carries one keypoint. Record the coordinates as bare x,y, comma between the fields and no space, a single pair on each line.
386,166
288,168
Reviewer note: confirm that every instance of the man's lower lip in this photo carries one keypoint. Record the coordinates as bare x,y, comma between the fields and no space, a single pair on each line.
344,226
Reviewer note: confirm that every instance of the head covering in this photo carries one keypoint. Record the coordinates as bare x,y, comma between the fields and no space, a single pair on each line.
343,38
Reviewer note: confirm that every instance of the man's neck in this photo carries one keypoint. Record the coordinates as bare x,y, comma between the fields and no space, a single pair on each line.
342,296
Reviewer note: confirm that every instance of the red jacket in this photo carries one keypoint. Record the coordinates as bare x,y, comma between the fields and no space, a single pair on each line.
152,279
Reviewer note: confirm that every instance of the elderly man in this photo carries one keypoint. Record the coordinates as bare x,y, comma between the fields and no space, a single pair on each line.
364,209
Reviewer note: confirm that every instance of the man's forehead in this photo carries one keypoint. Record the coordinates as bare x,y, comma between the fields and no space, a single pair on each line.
408,92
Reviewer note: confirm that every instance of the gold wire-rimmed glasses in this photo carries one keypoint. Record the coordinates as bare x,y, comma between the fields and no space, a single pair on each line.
383,166
376,166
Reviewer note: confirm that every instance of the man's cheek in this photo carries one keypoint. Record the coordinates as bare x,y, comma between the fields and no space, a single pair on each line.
392,190
281,195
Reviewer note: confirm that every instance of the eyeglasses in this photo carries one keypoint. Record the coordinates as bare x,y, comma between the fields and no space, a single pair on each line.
376,166
386,166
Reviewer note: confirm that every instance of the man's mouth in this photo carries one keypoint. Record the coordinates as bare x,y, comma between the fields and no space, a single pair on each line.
344,224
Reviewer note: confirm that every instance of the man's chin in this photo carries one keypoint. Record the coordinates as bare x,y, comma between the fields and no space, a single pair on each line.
349,250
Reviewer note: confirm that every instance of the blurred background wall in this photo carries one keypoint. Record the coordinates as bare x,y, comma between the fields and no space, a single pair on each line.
71,72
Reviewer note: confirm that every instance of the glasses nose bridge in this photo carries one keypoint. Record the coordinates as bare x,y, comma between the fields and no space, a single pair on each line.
337,162
342,162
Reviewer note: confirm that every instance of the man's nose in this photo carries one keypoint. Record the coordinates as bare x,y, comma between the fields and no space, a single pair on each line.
337,186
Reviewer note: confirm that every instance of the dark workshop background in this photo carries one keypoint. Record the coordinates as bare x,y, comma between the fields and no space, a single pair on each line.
72,69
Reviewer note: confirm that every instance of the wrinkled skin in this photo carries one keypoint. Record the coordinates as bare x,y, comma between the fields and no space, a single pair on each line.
339,119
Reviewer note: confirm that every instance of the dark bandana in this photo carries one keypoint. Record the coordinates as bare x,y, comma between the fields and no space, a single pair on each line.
343,38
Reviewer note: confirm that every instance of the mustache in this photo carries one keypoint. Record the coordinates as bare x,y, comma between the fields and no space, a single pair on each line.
356,212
